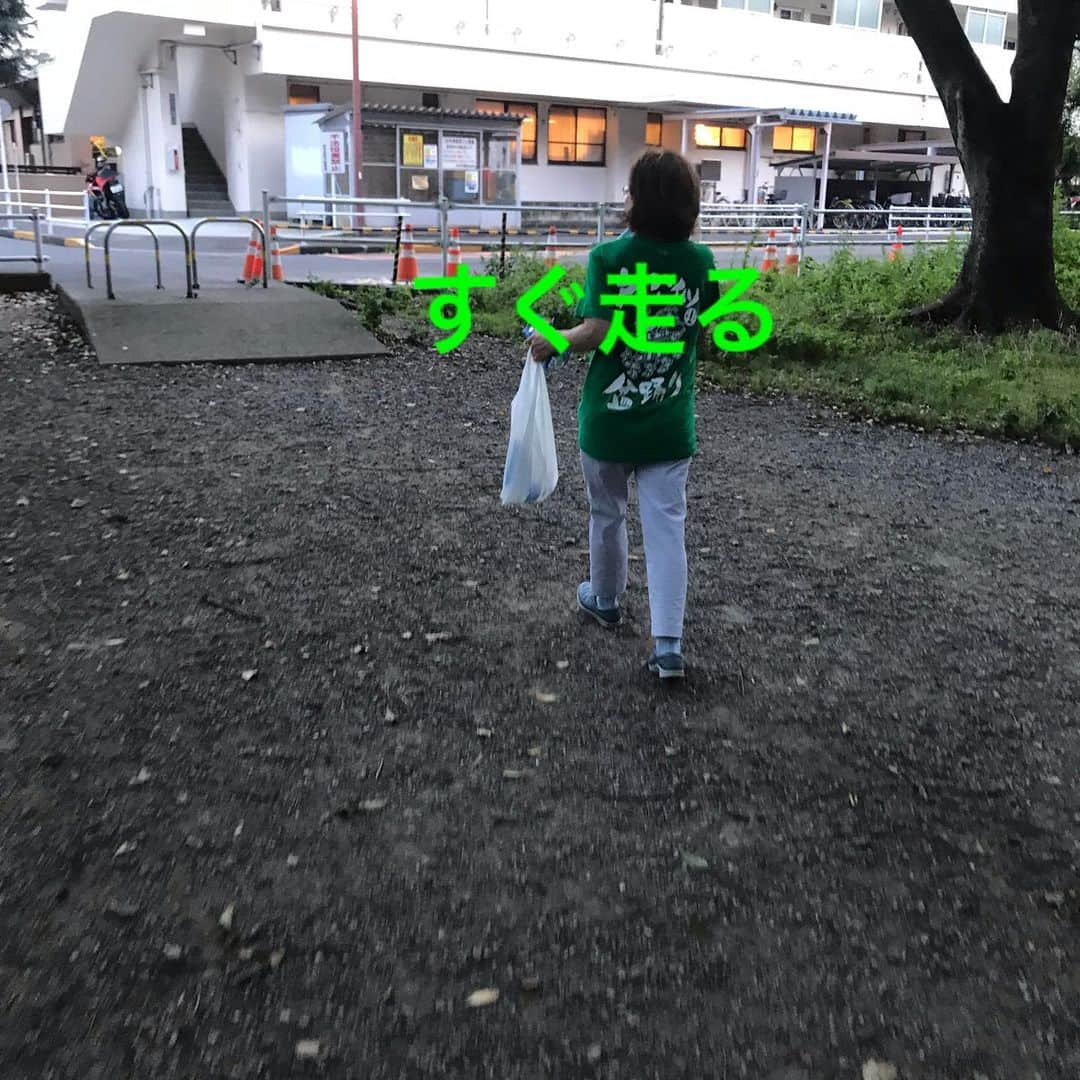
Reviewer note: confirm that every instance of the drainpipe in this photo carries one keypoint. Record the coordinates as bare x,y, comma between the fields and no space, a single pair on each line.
147,78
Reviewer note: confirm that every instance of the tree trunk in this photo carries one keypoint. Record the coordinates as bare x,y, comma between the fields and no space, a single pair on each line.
1009,153
1008,278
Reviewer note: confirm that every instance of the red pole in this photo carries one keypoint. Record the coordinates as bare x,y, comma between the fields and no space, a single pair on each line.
357,130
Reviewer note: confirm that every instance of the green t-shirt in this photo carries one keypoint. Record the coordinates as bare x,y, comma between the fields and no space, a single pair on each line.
638,406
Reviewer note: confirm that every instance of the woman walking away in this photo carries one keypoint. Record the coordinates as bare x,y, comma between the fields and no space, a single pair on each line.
636,416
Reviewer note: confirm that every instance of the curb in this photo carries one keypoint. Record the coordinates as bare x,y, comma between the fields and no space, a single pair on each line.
54,241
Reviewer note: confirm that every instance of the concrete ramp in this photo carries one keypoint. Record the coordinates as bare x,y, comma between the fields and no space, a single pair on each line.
223,326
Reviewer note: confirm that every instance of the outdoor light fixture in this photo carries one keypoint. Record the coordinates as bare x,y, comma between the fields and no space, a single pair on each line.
194,30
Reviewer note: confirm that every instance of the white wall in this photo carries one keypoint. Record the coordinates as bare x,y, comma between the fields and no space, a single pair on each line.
265,139
168,138
303,150
254,112
202,75
151,186
604,50
597,51
234,102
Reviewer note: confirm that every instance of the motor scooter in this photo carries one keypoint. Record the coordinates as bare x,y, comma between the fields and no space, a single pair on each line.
106,192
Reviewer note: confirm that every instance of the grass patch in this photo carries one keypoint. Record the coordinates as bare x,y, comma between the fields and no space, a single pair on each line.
387,312
839,339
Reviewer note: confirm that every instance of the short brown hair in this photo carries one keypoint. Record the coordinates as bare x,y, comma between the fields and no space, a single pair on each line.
666,196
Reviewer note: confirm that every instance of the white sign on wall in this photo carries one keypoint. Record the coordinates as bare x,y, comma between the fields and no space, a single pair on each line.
460,151
334,153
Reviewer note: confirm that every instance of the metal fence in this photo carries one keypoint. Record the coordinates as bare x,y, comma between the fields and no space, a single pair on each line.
52,206
348,224
38,257
342,224
345,224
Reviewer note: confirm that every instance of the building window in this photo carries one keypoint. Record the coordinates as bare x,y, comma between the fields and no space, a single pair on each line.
715,137
654,129
762,6
797,140
528,125
910,135
576,135
865,14
303,94
985,27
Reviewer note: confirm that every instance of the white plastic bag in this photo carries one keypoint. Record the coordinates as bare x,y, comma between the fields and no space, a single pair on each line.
532,469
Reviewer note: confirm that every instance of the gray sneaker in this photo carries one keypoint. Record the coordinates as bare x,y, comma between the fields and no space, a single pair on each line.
608,618
668,666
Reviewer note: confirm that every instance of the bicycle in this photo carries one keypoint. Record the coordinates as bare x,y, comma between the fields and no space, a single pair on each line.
847,221
876,216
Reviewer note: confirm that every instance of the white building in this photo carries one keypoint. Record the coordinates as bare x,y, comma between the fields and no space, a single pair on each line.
216,97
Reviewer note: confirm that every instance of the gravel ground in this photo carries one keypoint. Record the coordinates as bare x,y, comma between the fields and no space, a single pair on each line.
301,743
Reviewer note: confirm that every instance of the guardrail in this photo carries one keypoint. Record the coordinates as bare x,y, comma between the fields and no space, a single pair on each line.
38,257
75,204
338,206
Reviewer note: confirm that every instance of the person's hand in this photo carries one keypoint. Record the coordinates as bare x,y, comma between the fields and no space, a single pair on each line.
540,349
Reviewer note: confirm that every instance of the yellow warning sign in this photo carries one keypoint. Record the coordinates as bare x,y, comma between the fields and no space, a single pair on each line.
412,151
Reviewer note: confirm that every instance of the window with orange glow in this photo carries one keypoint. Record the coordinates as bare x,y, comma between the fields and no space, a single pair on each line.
799,140
715,137
528,124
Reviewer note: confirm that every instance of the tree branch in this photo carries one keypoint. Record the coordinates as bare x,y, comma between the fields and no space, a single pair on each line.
1047,32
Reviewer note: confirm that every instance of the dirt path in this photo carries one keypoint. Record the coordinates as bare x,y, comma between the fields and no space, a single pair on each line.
854,834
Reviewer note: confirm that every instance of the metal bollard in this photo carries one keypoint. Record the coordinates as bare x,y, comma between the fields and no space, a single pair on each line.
805,212
444,231
38,256
397,247
267,233
502,246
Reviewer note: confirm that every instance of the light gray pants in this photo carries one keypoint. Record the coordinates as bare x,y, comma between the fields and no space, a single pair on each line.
662,495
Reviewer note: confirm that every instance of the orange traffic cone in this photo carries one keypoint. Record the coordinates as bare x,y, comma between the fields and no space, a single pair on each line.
551,252
896,252
453,255
791,259
277,271
253,263
772,256
408,267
